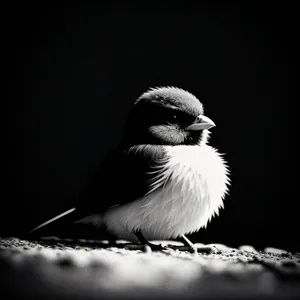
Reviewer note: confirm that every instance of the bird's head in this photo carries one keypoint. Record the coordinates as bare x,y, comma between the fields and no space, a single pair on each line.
167,116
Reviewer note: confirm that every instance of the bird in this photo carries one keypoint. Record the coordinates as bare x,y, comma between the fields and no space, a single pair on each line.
163,181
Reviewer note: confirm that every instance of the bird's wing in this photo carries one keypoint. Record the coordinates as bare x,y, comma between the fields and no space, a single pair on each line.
124,176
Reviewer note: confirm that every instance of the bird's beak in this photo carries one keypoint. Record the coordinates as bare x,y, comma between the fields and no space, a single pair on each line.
202,122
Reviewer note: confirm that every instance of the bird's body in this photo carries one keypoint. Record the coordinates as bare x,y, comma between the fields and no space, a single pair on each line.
164,180
185,193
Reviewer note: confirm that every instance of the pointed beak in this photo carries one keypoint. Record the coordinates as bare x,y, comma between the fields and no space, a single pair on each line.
202,122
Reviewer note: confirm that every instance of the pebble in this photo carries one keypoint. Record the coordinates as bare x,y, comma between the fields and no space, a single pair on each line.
221,247
247,248
272,250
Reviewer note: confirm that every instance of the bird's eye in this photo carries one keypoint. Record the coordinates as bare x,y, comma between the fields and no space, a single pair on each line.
173,118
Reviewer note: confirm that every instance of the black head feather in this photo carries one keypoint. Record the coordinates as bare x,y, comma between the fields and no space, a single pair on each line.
161,116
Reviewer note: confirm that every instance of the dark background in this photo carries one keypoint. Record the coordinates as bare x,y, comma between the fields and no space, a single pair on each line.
72,75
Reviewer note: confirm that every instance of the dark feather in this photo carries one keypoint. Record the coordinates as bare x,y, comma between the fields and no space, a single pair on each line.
122,177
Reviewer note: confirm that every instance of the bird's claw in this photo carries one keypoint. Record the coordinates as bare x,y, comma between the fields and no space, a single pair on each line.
154,247
192,249
148,247
183,248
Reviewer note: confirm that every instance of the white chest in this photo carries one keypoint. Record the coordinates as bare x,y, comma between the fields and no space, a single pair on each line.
184,196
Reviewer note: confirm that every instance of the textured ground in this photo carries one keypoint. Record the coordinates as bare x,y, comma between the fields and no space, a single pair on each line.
62,269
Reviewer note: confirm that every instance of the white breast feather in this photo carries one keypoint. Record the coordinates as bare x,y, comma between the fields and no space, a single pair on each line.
187,191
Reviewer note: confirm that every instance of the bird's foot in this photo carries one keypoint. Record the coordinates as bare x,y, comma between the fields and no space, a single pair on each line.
183,248
192,249
147,247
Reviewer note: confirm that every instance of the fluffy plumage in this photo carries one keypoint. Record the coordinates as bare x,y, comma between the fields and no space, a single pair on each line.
164,179
184,194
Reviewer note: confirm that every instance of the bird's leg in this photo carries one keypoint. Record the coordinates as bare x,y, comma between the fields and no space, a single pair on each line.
189,246
146,244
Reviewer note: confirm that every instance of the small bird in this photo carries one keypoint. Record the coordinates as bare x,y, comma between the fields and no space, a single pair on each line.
163,181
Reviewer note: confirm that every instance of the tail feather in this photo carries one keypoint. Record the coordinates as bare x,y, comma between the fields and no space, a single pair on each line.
52,220
74,223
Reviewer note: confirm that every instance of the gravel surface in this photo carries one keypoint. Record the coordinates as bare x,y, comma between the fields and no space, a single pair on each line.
61,269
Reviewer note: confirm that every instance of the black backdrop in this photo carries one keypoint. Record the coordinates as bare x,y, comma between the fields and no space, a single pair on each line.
72,75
